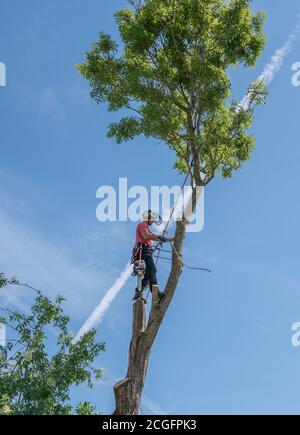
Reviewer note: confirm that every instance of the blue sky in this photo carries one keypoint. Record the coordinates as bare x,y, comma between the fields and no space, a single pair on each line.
225,345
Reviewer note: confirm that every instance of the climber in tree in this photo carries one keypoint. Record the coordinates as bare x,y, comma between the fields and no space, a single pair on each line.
143,251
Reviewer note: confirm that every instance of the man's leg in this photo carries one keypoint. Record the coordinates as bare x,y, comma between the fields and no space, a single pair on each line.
150,275
145,281
151,271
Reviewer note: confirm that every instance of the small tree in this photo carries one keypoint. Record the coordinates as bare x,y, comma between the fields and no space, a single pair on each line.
172,74
36,372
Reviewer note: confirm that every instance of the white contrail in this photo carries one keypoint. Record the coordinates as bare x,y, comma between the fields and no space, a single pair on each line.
183,207
276,63
97,315
152,406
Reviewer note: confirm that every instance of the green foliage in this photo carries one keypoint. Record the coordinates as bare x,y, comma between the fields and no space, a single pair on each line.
86,408
5,281
37,371
173,74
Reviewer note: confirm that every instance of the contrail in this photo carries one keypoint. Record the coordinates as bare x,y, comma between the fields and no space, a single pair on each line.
276,62
152,406
97,315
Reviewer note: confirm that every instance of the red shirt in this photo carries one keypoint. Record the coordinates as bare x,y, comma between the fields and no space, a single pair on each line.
142,227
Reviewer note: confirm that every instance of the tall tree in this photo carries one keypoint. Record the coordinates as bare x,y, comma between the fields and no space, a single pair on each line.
36,371
172,74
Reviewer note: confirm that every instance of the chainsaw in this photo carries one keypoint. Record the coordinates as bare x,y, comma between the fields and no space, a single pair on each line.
139,269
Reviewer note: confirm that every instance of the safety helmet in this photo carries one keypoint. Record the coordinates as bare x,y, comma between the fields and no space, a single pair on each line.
151,216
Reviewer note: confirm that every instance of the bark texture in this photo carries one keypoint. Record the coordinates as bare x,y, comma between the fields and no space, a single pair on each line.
128,391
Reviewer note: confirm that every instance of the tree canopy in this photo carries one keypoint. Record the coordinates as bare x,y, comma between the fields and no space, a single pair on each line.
172,73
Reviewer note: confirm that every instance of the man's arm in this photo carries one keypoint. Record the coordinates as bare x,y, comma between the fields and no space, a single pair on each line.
154,237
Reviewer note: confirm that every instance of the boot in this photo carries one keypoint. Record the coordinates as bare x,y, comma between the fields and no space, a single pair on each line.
138,295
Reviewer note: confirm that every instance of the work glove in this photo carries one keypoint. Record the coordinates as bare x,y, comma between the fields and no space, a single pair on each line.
163,239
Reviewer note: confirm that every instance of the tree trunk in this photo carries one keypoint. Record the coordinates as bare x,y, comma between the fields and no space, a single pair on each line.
128,391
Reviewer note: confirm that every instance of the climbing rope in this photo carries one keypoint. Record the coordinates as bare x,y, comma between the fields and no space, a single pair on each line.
172,211
175,205
168,223
203,269
158,246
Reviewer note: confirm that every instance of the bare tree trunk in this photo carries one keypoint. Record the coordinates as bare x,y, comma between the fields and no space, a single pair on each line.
129,390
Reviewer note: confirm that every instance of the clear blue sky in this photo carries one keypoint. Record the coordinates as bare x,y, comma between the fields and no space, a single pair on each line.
225,345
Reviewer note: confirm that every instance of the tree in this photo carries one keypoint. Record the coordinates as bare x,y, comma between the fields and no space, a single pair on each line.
36,372
173,76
